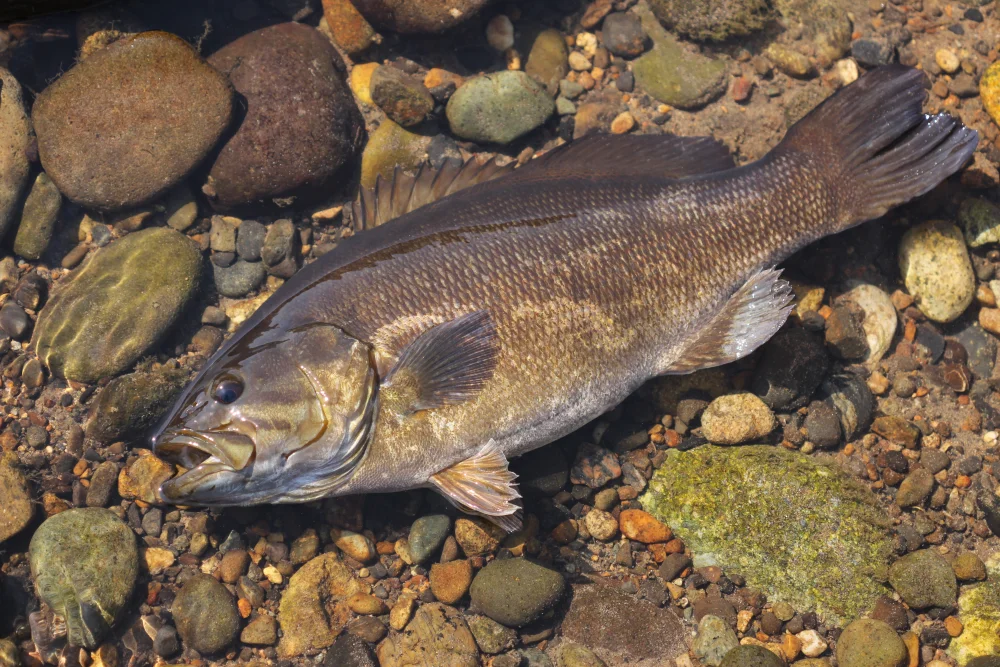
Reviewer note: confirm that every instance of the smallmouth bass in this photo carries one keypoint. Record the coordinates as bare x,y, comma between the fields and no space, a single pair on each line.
498,310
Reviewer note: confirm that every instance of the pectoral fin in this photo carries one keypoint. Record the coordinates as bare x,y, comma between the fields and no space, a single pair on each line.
751,316
445,365
483,485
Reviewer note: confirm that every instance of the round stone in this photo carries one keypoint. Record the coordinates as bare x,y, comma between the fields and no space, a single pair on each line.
301,123
736,418
84,562
714,641
751,656
516,591
498,107
924,579
402,97
120,304
870,643
205,614
437,635
129,405
128,123
715,20
238,279
15,498
450,581
418,16
623,34
427,534
601,525
936,269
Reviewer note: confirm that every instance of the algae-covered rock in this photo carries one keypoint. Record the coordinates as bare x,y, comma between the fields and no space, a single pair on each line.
674,75
801,531
118,305
84,562
38,218
714,20
980,220
499,107
129,405
979,611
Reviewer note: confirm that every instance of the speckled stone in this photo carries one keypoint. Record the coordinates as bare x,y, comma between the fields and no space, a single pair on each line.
516,591
15,136
498,107
936,269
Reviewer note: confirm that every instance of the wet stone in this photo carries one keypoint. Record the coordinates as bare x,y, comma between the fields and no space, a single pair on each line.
166,643
99,322
437,635
623,34
872,52
418,16
870,643
402,97
14,321
498,107
350,651
38,218
936,269
250,240
915,488
131,404
711,19
280,249
349,28
15,137
427,534
714,640
84,562
737,418
102,484
547,60
15,498
515,592
142,479
924,579
751,656
792,367
594,466
128,123
261,631
239,279
205,614
491,637
822,425
30,291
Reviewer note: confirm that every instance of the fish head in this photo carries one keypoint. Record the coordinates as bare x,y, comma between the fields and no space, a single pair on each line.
280,416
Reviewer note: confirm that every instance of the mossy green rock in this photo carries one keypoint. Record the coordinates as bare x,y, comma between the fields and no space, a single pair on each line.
548,57
751,656
979,611
674,75
84,562
714,20
801,531
516,591
118,305
38,218
924,579
980,222
870,643
131,404
498,107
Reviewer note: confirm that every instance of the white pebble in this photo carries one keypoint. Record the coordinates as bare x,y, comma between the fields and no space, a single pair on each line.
587,42
847,70
947,60
812,644
500,33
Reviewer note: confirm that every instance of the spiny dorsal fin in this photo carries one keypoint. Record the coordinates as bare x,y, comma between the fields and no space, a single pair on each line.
445,365
391,198
483,485
751,316
601,155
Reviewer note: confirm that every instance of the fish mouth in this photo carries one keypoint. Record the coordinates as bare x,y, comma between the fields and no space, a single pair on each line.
203,455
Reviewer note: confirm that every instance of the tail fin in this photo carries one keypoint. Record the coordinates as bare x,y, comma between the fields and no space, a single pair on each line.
878,146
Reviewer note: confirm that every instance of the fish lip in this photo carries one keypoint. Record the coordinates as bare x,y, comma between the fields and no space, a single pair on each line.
231,448
185,489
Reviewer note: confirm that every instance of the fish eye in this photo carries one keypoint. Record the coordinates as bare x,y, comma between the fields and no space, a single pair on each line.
227,389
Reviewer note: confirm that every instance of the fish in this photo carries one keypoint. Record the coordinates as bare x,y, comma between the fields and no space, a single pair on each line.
486,311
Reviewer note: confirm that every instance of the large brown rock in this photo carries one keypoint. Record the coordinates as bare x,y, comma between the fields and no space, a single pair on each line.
127,124
418,16
15,135
301,122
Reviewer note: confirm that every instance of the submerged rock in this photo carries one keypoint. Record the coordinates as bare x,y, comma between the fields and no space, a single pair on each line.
714,20
84,562
924,579
418,16
131,404
870,643
936,270
498,107
205,614
15,136
880,319
38,218
547,57
516,591
15,498
389,146
832,551
437,635
118,305
714,640
128,123
793,365
980,220
979,611
736,418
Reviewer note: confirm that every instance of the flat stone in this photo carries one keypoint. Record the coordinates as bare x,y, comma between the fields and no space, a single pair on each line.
117,306
131,404
498,107
205,614
924,579
437,635
714,640
38,218
15,498
491,637
261,631
870,643
516,591
349,29
712,20
427,534
128,123
15,137
402,97
239,279
734,419
450,581
547,60
936,269
389,146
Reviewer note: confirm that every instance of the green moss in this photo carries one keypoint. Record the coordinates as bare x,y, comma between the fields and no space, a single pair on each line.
979,611
801,531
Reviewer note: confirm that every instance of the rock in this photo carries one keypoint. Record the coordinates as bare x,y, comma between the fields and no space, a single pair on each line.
623,35
15,498
915,488
477,536
500,33
793,364
156,559
491,637
715,20
166,643
579,62
366,604
601,525
595,619
355,545
313,608
936,270
118,305
844,334
301,123
84,562
516,591
980,221
989,91
498,107
543,471
261,631
437,635
736,418
643,527
180,208
813,645
280,251
222,237
350,30
14,321
924,579
596,114
450,581
141,480
388,147
752,655
968,567
127,124
674,75
205,614
822,425
826,517
789,61
714,640
130,405
38,218
870,643
548,58
239,279
418,16
901,432
15,138
853,400
250,240
979,609
403,98
947,60
879,322
350,651
873,52
427,534
102,484
571,654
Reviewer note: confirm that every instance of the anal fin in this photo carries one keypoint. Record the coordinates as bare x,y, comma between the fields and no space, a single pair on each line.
484,485
751,316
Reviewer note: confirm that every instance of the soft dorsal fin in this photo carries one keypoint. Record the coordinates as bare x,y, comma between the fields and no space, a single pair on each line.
483,484
593,156
447,364
601,155
751,316
391,198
